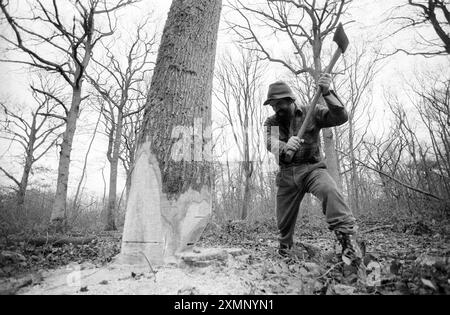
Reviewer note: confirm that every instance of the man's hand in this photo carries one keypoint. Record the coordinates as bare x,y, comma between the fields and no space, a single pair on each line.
325,82
294,143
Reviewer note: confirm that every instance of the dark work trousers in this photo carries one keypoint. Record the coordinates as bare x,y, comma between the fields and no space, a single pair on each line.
293,182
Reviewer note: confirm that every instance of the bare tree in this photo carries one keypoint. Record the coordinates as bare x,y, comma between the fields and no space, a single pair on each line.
122,86
60,41
427,16
76,199
433,106
303,85
410,160
396,158
36,132
301,25
384,155
361,66
131,129
239,94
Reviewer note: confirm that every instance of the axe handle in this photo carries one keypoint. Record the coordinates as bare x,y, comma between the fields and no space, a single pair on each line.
290,153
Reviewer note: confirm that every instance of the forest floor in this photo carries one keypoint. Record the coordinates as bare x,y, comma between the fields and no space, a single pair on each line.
401,258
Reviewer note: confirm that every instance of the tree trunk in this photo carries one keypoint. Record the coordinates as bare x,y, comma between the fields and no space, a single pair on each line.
327,133
24,182
331,156
127,185
25,176
354,193
110,224
248,170
170,197
59,215
29,160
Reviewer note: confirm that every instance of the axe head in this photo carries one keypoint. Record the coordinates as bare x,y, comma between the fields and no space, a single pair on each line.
341,38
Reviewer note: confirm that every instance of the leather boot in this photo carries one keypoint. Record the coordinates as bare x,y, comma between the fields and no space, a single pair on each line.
351,252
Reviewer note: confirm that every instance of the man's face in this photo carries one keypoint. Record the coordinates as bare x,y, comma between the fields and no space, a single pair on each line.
282,106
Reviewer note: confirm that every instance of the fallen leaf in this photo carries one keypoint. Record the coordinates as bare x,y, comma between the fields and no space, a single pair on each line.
395,267
313,268
346,260
341,289
428,283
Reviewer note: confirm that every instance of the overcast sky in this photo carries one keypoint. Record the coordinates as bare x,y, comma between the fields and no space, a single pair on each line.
366,14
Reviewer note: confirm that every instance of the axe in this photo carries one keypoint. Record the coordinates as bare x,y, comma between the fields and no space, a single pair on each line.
342,41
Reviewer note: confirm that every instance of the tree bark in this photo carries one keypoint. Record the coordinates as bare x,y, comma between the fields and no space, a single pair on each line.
29,159
327,133
169,203
110,224
24,182
248,168
354,186
247,197
59,215
331,156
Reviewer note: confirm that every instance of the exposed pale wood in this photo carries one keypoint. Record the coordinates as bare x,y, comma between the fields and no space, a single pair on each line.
143,232
169,202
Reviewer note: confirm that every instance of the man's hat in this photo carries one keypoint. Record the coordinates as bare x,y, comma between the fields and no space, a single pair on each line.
279,90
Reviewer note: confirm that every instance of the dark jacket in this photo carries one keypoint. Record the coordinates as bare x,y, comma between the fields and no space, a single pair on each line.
278,131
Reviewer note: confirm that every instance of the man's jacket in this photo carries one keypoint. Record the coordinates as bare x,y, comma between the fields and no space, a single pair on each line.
279,130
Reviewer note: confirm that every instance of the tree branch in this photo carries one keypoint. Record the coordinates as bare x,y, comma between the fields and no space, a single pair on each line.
10,176
393,178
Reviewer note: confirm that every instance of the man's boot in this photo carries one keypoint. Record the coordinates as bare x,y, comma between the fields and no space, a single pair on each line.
284,250
351,252
352,256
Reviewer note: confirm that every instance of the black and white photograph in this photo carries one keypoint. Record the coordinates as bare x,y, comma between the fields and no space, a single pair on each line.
224,154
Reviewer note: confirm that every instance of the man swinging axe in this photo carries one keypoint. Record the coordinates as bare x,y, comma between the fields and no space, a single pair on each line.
292,134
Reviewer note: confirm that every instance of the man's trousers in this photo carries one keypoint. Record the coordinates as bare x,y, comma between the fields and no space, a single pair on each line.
293,182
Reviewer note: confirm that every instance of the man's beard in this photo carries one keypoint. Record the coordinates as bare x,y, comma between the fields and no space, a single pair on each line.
284,114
